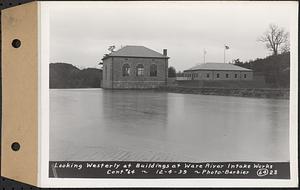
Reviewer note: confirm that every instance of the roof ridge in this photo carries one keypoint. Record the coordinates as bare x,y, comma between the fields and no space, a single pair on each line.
136,51
218,66
128,46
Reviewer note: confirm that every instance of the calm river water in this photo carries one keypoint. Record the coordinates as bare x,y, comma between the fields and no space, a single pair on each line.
121,125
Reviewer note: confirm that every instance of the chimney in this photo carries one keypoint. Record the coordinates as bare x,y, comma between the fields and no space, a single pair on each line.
165,52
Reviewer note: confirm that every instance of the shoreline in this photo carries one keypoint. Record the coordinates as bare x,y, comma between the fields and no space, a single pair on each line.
273,93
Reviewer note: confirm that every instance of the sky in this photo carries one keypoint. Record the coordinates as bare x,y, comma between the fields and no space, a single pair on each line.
81,32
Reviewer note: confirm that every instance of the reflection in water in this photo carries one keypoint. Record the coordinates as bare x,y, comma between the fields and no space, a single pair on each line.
95,124
138,113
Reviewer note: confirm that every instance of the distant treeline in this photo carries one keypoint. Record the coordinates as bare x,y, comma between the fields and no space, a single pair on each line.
64,75
275,69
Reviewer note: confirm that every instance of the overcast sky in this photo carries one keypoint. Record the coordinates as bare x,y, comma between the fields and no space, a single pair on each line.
81,32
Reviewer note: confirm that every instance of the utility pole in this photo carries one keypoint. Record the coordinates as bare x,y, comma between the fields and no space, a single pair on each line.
204,54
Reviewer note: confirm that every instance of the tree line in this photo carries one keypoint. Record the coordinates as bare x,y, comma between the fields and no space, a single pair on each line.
274,68
64,75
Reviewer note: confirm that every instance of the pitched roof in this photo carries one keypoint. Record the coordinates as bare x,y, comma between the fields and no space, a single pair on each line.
136,51
218,66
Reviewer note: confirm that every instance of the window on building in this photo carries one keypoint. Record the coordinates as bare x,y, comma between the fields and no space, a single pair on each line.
140,70
126,70
227,75
245,76
235,75
105,68
218,75
207,75
153,70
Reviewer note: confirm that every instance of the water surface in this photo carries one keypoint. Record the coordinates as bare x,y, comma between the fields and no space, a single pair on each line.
124,125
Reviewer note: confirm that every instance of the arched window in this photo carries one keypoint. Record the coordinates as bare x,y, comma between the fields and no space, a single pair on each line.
126,70
140,70
153,70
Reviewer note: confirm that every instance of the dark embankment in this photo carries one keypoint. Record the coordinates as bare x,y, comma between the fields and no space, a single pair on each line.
275,69
64,75
241,92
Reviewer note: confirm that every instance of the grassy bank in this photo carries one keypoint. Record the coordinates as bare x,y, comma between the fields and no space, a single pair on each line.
241,92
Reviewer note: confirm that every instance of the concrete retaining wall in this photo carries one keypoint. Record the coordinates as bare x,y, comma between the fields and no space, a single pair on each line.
138,84
242,92
222,83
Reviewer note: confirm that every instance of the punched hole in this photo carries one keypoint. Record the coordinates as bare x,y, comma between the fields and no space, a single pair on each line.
16,43
15,146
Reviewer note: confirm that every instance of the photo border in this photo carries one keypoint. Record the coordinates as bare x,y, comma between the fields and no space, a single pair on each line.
45,181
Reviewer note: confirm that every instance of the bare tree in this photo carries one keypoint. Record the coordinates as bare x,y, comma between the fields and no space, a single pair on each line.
275,39
285,47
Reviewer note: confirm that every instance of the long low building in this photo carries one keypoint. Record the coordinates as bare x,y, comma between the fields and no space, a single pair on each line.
217,71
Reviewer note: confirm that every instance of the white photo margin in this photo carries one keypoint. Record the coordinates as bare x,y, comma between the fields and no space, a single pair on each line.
43,137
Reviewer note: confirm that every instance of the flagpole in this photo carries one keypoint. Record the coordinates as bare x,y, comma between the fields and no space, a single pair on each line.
225,48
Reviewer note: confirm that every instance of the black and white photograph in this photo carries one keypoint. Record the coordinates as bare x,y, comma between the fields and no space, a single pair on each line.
170,89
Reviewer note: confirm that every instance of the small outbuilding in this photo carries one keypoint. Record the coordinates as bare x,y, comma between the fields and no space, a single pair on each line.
135,67
218,71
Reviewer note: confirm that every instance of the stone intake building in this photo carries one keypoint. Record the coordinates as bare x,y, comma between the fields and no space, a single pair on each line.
135,67
218,71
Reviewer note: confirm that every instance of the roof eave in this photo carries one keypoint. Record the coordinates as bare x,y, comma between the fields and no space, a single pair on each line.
214,70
